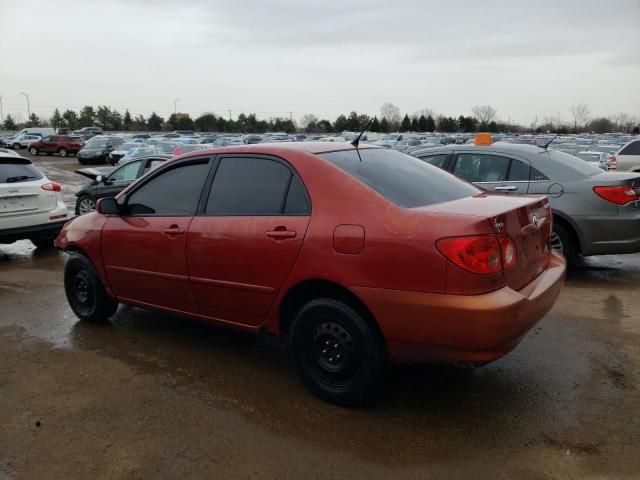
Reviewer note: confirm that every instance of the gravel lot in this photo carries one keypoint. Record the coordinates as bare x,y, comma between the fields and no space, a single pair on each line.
154,396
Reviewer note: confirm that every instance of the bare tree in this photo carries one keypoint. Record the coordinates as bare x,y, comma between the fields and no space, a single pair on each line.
580,114
392,113
484,114
308,119
423,111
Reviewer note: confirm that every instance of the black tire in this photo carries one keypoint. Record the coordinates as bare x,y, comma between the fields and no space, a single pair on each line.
564,242
33,151
43,242
338,355
16,146
63,152
85,293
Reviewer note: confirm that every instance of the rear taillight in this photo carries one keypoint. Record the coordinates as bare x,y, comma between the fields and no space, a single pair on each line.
480,254
620,195
52,187
613,163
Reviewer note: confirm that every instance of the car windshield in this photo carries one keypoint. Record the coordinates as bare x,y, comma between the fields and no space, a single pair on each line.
390,137
574,162
140,152
96,144
589,157
128,146
17,172
402,179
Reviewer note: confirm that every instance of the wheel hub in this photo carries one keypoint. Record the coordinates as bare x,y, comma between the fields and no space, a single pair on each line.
82,287
333,347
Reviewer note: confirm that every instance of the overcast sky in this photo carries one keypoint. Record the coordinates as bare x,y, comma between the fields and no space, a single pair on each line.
527,59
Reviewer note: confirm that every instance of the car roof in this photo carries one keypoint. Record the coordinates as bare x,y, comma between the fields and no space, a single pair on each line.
277,148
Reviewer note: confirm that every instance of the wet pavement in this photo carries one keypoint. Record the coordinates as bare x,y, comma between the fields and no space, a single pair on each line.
155,396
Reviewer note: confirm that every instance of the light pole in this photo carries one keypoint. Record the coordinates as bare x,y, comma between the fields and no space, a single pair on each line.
175,103
28,107
1,114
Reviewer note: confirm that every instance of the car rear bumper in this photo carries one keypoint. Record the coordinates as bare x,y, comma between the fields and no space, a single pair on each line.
50,229
610,235
427,327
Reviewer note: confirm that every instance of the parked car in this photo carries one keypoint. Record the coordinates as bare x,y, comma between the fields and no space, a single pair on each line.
21,141
41,131
402,145
137,153
109,181
599,159
121,151
594,212
31,205
296,239
166,148
627,158
186,148
91,131
63,145
97,150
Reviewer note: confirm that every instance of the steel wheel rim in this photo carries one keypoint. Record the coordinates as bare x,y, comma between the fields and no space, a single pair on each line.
332,354
556,242
83,290
33,151
86,206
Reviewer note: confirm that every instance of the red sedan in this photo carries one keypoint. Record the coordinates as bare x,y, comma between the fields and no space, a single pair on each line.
359,257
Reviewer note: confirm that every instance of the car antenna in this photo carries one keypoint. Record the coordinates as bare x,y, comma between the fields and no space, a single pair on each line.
356,142
546,145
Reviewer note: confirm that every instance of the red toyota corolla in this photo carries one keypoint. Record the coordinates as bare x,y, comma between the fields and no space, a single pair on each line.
359,257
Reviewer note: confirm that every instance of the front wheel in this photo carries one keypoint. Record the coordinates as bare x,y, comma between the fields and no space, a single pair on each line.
85,293
63,152
339,357
84,205
33,151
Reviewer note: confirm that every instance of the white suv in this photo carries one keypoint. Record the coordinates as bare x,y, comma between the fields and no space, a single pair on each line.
627,158
31,205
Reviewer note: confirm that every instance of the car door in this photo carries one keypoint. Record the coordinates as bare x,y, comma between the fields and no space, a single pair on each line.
120,178
143,249
493,172
47,144
244,242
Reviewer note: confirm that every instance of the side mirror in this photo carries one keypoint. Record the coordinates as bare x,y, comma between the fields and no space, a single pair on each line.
108,206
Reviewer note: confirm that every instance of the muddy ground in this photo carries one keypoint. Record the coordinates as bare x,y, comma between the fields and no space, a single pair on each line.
152,396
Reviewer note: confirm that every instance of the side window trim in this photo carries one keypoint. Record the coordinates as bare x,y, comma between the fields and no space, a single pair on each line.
204,198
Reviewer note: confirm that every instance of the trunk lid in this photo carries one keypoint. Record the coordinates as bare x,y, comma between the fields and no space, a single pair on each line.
526,220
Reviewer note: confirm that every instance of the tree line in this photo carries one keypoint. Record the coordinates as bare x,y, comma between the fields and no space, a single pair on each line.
483,118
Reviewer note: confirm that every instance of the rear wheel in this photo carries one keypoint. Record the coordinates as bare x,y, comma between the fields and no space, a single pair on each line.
85,293
16,146
63,152
33,151
84,205
562,242
339,357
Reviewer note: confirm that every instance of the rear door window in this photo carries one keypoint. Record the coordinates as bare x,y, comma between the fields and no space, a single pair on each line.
481,167
402,179
518,171
253,186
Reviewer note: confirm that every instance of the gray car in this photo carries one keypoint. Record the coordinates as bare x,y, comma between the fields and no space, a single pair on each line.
595,212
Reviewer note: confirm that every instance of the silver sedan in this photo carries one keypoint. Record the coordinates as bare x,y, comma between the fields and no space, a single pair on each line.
595,212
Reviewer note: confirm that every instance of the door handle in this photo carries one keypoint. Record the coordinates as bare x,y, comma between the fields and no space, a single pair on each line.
281,233
505,188
173,230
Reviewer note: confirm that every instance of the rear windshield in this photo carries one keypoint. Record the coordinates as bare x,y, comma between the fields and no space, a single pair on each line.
402,179
15,173
575,163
